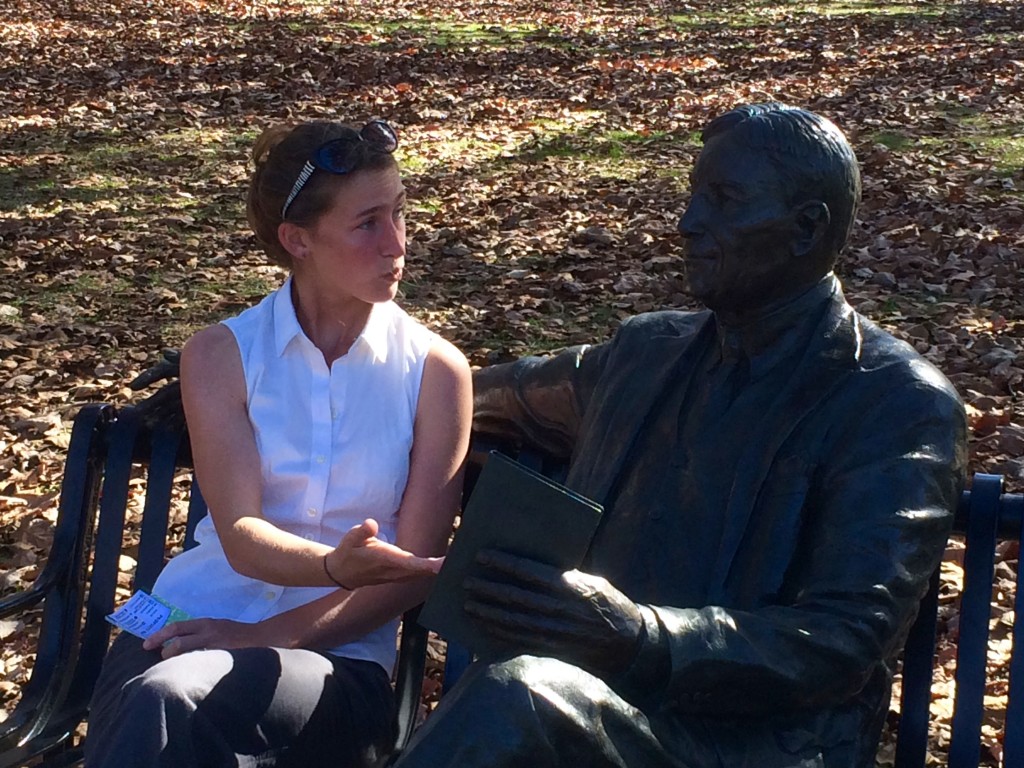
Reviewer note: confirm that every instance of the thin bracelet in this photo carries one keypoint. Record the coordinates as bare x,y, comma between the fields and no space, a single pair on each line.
324,561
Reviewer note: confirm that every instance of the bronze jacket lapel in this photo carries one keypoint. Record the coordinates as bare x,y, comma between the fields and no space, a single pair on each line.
652,353
828,360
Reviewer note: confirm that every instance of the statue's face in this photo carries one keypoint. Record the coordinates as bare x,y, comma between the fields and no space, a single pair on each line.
738,228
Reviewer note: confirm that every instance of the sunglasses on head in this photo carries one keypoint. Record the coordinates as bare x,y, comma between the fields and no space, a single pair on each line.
338,155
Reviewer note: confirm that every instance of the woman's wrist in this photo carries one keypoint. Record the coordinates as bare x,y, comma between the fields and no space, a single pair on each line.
330,575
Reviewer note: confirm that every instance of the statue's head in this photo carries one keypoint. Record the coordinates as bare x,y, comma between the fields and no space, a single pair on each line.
773,199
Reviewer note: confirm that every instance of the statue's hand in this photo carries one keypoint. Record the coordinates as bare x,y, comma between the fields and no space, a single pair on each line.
163,407
535,608
167,369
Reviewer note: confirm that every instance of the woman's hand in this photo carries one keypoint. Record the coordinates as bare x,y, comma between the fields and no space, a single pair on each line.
361,559
205,634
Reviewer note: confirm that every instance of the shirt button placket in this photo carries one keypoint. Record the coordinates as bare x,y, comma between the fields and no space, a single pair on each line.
316,497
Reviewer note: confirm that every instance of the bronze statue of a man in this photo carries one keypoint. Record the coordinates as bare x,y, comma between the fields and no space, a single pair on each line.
778,476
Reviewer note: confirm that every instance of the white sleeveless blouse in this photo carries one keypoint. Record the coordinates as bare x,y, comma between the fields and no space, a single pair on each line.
334,447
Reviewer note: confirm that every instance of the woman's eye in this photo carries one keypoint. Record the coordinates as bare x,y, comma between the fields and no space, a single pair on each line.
368,224
399,214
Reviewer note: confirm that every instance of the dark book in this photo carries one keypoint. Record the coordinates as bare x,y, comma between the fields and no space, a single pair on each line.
515,510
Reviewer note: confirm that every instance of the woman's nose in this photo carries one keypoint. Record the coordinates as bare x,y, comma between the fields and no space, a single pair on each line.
393,239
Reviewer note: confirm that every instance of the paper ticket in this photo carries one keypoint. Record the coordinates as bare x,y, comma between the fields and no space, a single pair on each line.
144,614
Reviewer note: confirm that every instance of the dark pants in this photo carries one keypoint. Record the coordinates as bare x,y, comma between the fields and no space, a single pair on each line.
247,707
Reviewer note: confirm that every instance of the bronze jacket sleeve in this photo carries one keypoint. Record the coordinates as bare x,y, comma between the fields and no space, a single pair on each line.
538,401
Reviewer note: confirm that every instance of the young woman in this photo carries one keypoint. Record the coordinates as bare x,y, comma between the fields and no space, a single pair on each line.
328,430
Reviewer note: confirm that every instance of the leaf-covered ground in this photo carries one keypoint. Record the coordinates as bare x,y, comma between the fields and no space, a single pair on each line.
546,145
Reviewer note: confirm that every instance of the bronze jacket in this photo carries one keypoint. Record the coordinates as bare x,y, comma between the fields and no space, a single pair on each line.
836,520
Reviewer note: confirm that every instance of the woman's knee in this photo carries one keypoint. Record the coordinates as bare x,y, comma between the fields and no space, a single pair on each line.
179,683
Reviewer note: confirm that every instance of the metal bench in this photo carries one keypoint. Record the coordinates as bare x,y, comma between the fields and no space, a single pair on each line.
76,589
77,586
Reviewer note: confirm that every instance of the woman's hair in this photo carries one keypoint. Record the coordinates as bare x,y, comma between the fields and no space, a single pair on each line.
279,155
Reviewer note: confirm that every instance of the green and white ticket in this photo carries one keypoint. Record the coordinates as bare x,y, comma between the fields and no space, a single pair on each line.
144,614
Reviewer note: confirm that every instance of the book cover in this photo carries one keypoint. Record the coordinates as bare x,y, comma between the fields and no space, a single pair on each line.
516,510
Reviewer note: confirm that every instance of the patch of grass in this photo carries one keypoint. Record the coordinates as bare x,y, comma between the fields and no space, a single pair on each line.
464,148
956,110
437,33
869,8
892,139
767,14
718,20
429,205
141,177
1002,144
205,300
616,152
78,293
997,38
17,192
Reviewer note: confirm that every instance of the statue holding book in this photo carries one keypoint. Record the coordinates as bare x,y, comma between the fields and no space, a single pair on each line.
778,477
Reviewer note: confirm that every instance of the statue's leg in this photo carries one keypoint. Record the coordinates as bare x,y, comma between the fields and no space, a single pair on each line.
539,713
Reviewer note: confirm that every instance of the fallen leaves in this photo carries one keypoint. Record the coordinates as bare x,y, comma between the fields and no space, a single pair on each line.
546,147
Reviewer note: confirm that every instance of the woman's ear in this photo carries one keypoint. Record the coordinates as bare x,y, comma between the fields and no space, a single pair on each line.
294,239
812,220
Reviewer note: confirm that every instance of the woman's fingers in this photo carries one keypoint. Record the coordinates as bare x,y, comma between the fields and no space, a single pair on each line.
363,559
201,634
169,632
360,535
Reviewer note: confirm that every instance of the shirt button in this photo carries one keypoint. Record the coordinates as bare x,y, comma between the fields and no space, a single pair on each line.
270,595
311,511
320,459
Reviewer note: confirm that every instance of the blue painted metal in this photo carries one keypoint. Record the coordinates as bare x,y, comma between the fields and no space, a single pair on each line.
975,608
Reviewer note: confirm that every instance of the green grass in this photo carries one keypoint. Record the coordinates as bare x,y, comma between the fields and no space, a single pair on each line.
1002,143
892,139
463,149
979,134
77,294
866,7
766,14
616,152
140,178
435,33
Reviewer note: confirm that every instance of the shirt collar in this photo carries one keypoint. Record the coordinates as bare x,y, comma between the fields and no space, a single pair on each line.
286,325
764,340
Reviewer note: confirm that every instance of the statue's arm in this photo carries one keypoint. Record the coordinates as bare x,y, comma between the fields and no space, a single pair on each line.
875,524
538,401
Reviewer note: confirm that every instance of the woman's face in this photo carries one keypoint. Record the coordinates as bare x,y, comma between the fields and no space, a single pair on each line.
357,247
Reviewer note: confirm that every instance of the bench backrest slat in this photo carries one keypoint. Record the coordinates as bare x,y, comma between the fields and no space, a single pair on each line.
196,512
106,548
1013,737
975,610
156,513
918,659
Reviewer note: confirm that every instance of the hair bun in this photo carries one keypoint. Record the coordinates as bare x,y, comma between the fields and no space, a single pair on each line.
266,142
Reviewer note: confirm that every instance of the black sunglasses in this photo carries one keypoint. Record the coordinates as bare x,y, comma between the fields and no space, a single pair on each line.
337,156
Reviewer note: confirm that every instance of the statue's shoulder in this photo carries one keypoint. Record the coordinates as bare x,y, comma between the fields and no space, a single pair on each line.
673,323
882,353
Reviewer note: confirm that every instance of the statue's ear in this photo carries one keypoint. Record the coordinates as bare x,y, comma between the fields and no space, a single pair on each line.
812,219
